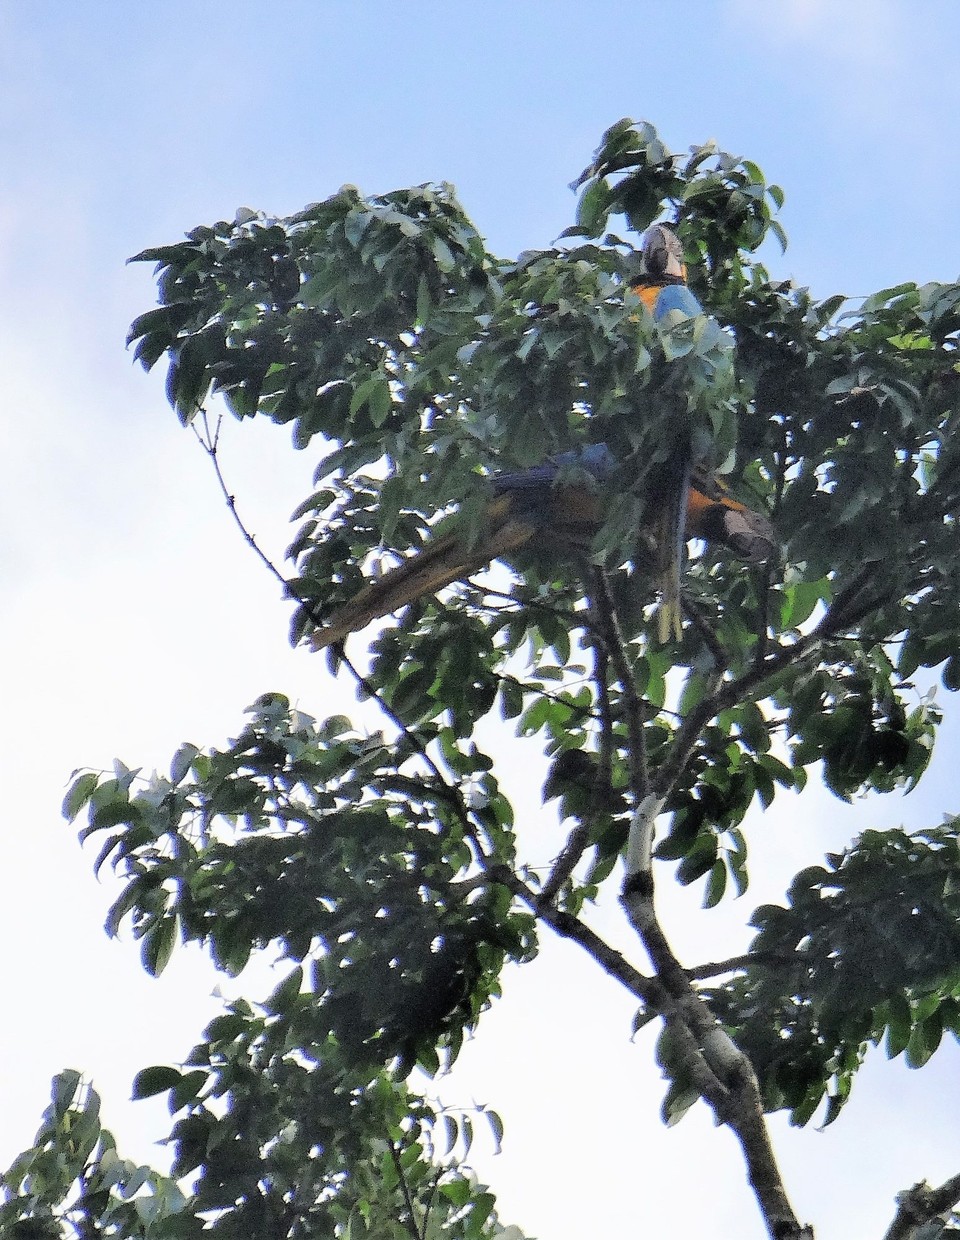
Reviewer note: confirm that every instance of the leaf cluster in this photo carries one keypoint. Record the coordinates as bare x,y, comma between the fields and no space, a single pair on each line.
72,1181
866,949
284,1147
315,842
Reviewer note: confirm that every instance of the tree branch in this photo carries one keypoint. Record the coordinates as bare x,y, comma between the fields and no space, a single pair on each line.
739,964
726,695
531,604
734,1096
712,1062
717,1068
647,990
566,862
710,640
209,441
920,1205
848,607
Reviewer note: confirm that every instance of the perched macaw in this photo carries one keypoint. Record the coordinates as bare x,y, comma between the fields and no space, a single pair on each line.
662,289
531,509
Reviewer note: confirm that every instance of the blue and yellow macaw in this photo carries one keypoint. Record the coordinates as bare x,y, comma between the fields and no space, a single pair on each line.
663,289
545,509
531,509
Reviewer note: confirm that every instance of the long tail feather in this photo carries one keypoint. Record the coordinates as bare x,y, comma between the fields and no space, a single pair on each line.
670,536
427,572
691,504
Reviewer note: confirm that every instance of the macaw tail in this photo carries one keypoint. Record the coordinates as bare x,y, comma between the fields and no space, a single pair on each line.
563,520
670,536
426,572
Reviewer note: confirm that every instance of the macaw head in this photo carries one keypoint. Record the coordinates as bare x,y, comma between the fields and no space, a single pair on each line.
662,254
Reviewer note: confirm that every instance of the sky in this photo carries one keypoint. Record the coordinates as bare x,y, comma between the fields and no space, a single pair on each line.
134,618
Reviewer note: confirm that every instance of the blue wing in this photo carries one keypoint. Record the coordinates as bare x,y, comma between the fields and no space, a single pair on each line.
676,297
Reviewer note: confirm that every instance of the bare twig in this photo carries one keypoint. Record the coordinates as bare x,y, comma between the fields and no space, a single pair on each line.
210,442
529,604
577,712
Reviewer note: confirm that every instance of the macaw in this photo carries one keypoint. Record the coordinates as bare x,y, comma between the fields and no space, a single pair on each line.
532,509
663,288
536,506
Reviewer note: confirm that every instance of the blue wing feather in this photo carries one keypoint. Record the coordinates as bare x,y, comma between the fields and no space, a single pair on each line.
676,297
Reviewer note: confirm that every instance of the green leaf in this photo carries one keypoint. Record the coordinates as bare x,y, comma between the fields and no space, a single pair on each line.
899,1025
496,1127
156,1080
285,995
716,884
158,943
951,673
126,901
457,1191
182,761
64,1091
78,794
592,209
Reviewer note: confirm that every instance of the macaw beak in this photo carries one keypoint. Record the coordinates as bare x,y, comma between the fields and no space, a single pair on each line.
750,536
663,254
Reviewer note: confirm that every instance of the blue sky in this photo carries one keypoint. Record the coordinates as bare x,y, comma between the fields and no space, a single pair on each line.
134,619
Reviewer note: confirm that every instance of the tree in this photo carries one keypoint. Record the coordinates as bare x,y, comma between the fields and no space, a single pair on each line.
387,869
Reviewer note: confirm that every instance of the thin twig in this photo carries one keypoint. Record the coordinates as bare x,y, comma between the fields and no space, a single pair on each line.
210,443
566,862
413,1229
578,712
729,694
531,604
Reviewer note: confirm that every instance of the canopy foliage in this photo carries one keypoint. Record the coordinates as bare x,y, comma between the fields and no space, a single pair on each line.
388,870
